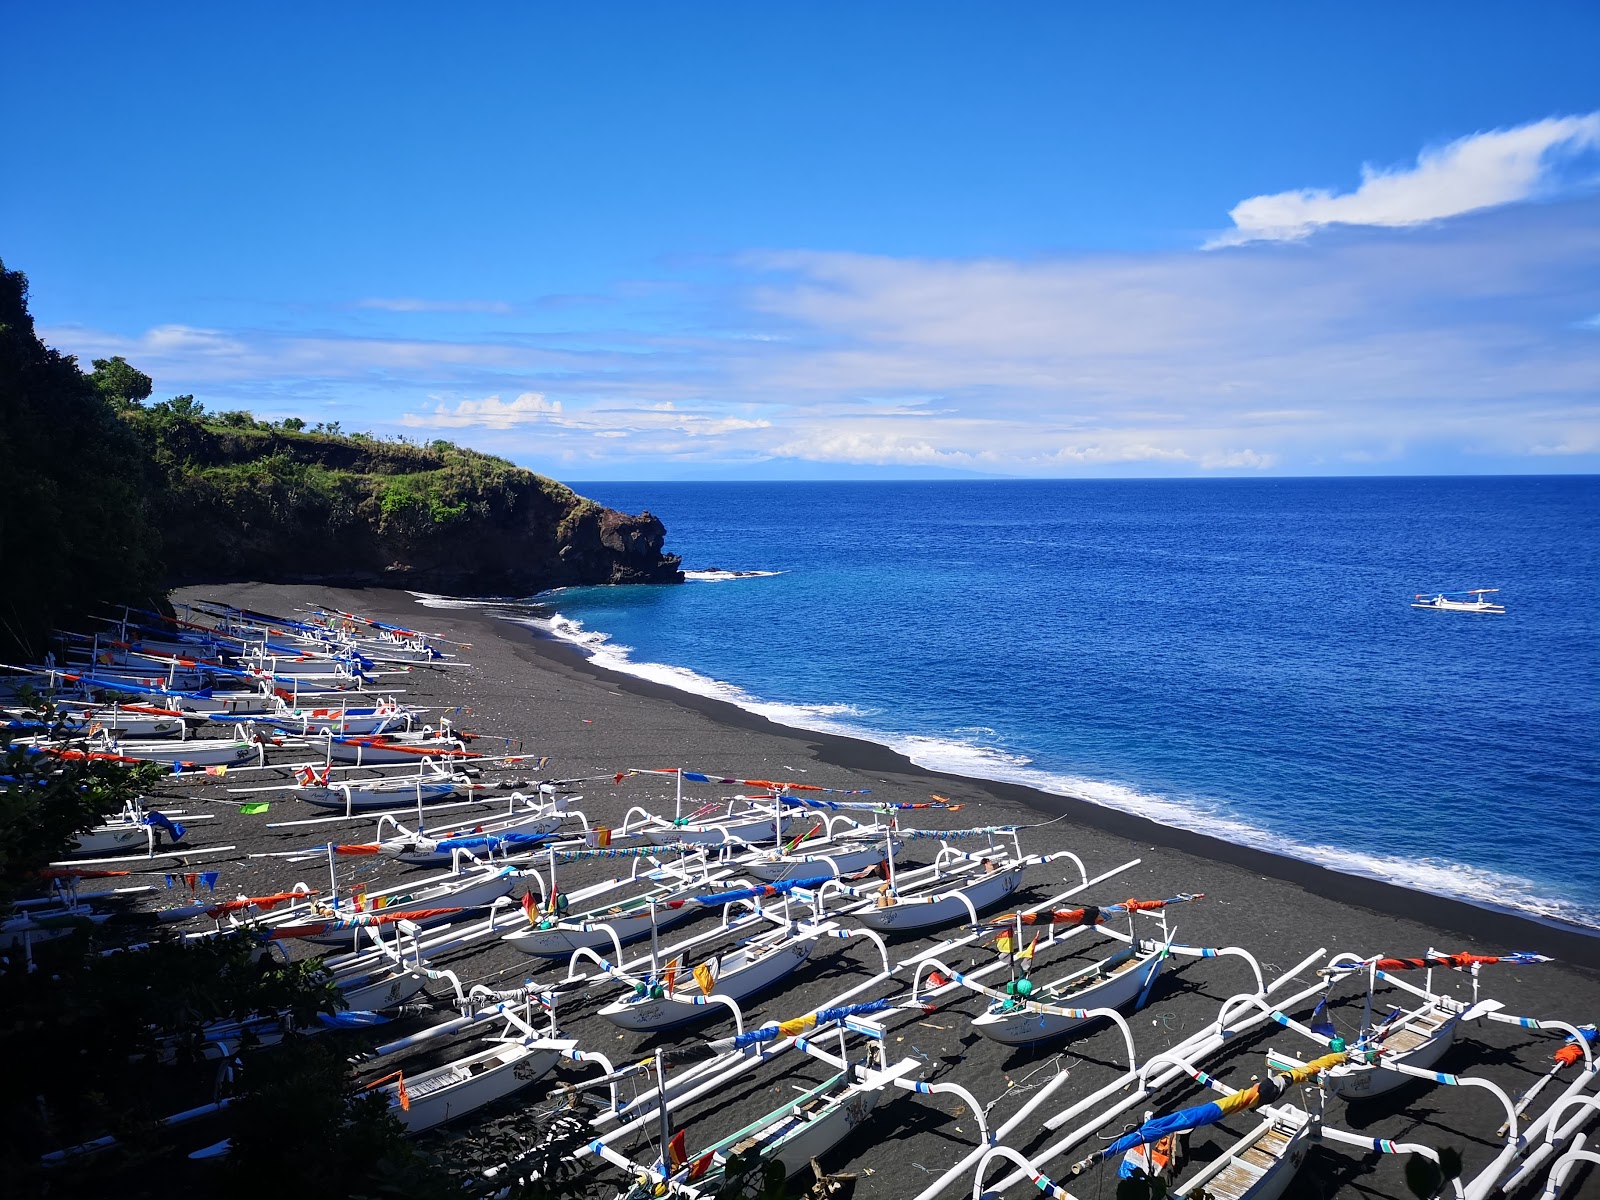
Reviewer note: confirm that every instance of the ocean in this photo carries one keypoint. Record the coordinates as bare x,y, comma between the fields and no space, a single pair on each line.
1236,657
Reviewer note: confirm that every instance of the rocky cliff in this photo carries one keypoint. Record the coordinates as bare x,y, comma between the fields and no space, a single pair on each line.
251,501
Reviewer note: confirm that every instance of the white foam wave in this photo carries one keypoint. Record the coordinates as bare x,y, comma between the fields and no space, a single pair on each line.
428,600
963,755
614,656
717,575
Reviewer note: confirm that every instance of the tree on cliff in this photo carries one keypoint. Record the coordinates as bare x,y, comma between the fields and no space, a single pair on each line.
121,385
75,525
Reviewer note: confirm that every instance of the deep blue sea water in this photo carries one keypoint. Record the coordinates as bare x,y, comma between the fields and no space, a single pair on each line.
1237,657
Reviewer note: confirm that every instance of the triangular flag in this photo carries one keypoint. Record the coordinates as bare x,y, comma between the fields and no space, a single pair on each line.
251,809
701,1166
670,975
1028,953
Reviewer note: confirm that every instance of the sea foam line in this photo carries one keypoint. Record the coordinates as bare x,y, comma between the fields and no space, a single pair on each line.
1476,885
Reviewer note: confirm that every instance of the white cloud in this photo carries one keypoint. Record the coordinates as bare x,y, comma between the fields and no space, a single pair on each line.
1099,455
1420,349
410,304
870,448
1482,170
488,413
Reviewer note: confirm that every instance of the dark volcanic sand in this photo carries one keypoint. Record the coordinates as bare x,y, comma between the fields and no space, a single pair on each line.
594,722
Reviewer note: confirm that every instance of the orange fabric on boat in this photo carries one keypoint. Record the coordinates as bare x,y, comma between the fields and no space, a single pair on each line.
1568,1055
1437,960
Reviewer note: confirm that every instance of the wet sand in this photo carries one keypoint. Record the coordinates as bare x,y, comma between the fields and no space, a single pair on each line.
594,723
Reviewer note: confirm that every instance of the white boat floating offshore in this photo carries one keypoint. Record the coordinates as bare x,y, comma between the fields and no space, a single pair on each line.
1456,602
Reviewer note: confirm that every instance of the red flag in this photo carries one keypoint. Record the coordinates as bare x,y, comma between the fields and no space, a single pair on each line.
676,1154
528,909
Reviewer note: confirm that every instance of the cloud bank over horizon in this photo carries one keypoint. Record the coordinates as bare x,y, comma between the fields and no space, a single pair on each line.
1433,319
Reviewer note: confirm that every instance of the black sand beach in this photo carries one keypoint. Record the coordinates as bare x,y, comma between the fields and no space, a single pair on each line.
593,723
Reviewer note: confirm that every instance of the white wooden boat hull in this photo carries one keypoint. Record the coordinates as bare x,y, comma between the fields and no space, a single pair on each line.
559,941
388,990
128,725
380,754
1239,1179
452,1092
473,895
1020,1026
365,799
112,840
814,1138
646,1014
206,753
1365,1082
789,866
918,914
420,853
715,835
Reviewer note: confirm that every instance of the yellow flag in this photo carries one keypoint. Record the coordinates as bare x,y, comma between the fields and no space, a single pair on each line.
703,976
1003,943
797,1025
1028,953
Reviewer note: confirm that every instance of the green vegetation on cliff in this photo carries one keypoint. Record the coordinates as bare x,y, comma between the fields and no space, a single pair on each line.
110,500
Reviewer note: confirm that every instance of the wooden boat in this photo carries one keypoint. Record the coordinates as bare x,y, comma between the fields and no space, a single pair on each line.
557,936
130,721
1454,601
750,967
518,838
839,860
444,898
382,989
1114,982
389,748
806,1128
372,794
742,828
938,901
193,752
460,1088
383,718
1260,1165
1418,1039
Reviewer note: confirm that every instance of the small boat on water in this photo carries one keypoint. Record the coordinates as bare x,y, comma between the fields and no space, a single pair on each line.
1471,600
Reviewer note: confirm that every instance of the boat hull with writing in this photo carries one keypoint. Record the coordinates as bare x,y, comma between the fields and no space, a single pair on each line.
460,1088
1418,1041
373,795
741,829
592,930
390,748
847,860
744,972
1116,982
926,912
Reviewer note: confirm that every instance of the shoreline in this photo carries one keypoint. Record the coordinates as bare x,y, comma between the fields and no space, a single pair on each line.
600,726
1573,944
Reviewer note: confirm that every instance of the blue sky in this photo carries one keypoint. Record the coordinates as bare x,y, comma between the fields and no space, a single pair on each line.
711,241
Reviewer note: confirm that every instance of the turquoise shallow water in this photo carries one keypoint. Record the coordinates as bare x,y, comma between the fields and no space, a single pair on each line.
1237,657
